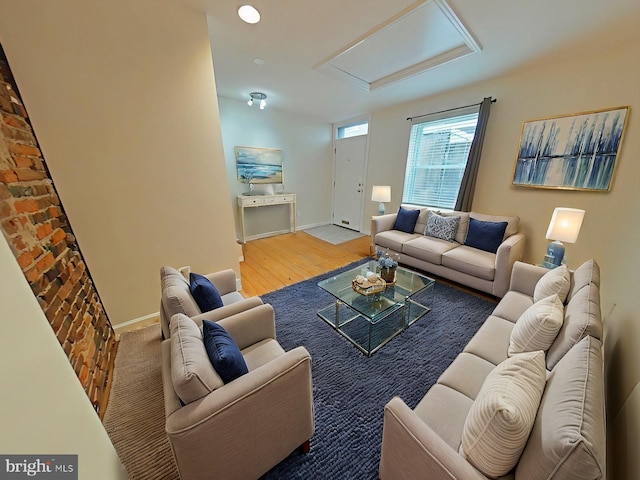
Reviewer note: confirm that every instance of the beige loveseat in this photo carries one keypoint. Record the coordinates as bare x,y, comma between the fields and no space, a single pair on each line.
568,436
482,270
176,298
241,429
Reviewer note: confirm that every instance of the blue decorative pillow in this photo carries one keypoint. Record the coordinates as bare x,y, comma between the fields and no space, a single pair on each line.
406,220
444,228
485,236
224,354
204,293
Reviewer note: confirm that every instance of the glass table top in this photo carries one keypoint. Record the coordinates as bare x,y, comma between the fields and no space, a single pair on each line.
377,306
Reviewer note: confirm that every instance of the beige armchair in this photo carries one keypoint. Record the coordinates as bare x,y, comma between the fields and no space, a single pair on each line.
176,298
242,429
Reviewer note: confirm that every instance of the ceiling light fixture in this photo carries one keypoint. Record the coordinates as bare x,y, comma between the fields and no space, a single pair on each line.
258,96
249,14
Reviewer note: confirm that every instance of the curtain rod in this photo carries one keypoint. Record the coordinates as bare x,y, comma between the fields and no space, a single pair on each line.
494,100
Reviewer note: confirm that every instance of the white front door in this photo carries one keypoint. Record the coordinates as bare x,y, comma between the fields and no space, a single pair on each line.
348,191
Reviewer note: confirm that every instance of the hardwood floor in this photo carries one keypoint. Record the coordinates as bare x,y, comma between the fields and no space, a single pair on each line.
274,262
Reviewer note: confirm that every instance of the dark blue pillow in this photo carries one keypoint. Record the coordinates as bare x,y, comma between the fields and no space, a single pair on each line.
204,293
485,236
406,220
223,352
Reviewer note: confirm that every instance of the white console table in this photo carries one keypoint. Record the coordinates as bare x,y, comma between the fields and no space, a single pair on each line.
249,201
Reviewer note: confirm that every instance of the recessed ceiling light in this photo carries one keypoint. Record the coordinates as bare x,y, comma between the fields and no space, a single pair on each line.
249,14
259,61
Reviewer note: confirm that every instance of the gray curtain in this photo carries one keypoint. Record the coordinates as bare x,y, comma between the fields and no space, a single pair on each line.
468,185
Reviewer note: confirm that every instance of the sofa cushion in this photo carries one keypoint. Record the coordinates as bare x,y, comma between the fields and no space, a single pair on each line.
513,223
224,354
421,222
192,374
582,317
491,341
262,353
394,239
444,228
169,276
557,281
499,422
466,374
512,306
427,248
471,261
204,293
486,236
538,326
568,437
588,272
406,220
463,226
445,411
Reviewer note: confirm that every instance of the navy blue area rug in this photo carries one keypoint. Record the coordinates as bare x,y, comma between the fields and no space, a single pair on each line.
350,389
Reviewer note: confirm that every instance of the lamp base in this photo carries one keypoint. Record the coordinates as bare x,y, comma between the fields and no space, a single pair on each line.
381,208
554,256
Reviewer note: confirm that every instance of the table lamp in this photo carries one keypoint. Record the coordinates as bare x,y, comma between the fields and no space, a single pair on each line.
381,194
564,227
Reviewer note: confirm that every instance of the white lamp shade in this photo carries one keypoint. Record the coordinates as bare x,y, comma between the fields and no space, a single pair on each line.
381,193
565,224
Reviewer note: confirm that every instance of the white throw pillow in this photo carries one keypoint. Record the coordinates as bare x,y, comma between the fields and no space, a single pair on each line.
538,326
502,415
557,281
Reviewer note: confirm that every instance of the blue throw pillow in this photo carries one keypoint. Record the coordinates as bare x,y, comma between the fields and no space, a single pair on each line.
204,293
224,354
485,236
406,220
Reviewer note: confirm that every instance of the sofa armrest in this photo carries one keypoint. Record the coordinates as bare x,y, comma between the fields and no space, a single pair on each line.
509,251
224,281
248,425
525,276
410,449
382,223
251,326
228,310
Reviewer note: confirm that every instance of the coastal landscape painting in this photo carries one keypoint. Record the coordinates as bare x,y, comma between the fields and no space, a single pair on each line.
571,152
259,165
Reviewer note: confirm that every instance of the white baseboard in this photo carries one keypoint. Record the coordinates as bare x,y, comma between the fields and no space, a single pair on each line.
129,323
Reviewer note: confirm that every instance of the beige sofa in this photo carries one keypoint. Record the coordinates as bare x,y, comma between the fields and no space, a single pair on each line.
176,298
478,269
568,436
241,429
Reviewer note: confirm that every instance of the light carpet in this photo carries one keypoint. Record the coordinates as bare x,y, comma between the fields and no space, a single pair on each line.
349,388
333,234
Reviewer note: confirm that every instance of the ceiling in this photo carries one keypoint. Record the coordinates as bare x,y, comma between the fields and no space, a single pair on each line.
305,47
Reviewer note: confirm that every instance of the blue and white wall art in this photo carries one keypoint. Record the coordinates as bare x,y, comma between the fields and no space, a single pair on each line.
259,165
571,152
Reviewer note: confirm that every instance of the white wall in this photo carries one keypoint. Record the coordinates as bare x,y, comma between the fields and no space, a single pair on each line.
307,164
43,408
123,102
610,232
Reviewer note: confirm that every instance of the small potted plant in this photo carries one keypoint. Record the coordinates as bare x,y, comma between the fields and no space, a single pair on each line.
387,266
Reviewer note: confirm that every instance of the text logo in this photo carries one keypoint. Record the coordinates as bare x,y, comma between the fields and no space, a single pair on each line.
49,467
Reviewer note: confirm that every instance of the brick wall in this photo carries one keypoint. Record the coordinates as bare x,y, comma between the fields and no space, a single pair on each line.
38,232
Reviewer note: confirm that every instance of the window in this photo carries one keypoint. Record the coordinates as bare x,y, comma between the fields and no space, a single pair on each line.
347,131
437,157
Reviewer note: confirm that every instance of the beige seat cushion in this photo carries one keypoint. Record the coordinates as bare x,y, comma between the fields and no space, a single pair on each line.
568,436
557,281
466,374
471,261
428,248
491,341
261,353
192,374
500,420
394,239
538,326
512,306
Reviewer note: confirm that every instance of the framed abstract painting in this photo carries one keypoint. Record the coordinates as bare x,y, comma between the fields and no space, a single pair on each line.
571,152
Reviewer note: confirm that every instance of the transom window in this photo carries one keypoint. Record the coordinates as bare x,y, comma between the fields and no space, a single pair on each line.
353,130
437,157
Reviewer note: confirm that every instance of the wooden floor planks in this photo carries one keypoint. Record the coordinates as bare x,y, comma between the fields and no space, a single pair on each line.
274,262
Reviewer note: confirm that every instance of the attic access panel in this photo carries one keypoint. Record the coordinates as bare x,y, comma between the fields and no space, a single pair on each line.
423,36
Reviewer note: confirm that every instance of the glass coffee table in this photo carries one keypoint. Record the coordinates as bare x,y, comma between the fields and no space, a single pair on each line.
370,321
